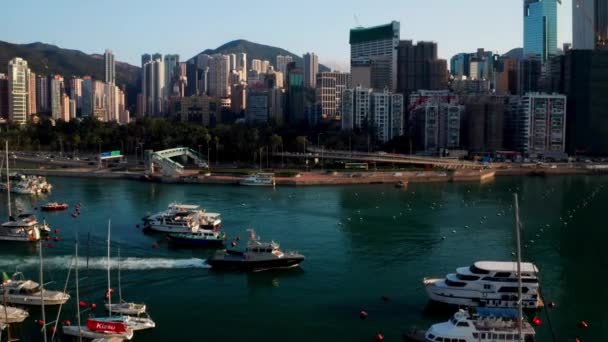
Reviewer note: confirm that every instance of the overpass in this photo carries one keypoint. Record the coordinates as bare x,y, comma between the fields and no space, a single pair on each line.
381,157
168,166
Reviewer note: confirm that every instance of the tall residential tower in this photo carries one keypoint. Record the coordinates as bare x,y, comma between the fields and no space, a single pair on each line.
108,58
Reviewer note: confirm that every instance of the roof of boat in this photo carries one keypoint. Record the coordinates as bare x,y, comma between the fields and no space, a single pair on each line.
184,206
505,266
497,312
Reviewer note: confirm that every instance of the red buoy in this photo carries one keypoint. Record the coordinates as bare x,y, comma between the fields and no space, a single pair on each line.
53,329
536,321
40,323
107,296
49,245
577,340
238,238
379,337
57,231
111,290
363,314
74,215
583,325
82,304
47,238
67,323
56,239
93,306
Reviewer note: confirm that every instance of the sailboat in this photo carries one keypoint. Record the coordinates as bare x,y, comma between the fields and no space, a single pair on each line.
123,307
139,321
22,230
485,324
95,328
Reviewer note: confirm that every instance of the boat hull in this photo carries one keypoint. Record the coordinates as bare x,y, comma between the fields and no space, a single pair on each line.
57,208
194,243
10,315
253,265
35,300
87,333
127,308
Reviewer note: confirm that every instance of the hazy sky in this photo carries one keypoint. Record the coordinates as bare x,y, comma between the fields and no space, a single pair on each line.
186,27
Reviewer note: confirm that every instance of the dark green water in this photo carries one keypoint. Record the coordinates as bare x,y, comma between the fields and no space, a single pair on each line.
360,242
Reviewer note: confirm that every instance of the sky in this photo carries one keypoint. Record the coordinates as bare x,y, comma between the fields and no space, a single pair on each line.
187,27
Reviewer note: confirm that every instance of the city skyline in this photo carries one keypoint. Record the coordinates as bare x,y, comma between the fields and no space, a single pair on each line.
189,35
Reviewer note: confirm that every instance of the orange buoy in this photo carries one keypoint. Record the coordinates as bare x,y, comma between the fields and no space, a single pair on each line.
363,314
536,321
583,325
379,337
67,323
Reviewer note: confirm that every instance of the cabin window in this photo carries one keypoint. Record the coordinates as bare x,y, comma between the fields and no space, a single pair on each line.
269,251
501,336
440,339
475,335
495,336
509,337
455,283
483,336
530,280
476,270
529,338
467,277
487,287
502,275
463,324
431,337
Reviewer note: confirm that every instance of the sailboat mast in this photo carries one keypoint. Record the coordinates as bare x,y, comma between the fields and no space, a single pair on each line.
8,185
78,298
119,279
42,295
109,288
520,315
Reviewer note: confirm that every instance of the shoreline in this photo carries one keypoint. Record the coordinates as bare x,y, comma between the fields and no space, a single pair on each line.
326,179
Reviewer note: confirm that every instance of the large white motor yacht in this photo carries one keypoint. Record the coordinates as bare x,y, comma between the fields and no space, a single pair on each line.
487,284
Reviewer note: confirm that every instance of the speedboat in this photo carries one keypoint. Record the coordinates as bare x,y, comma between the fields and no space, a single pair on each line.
485,325
54,206
201,238
487,284
257,256
259,179
10,315
27,292
133,323
98,328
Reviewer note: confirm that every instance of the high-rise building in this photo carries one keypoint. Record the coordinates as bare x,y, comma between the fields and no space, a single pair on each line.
459,65
378,47
171,68
43,101
540,28
330,87
484,123
529,75
541,125
192,78
265,66
153,85
86,103
238,98
241,65
32,93
76,92
256,65
419,67
201,109
202,61
108,57
219,76
18,91
437,117
232,60
282,62
258,105
590,24
3,97
382,111
311,68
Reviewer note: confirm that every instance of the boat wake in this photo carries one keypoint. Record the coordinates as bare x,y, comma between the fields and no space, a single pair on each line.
101,263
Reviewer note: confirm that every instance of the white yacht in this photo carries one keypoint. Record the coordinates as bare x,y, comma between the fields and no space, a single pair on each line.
486,325
487,284
10,315
183,218
259,179
26,292
21,229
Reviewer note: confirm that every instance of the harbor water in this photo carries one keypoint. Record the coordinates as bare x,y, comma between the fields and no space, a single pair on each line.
361,243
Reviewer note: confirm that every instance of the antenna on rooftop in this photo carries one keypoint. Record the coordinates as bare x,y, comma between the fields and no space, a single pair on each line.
357,22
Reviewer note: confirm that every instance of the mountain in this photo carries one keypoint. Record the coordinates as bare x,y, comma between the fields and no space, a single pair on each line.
255,51
517,53
45,59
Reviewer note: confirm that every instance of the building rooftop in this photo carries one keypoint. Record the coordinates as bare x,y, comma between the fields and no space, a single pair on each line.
366,34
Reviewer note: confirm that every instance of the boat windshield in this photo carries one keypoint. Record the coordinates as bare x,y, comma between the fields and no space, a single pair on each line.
476,270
